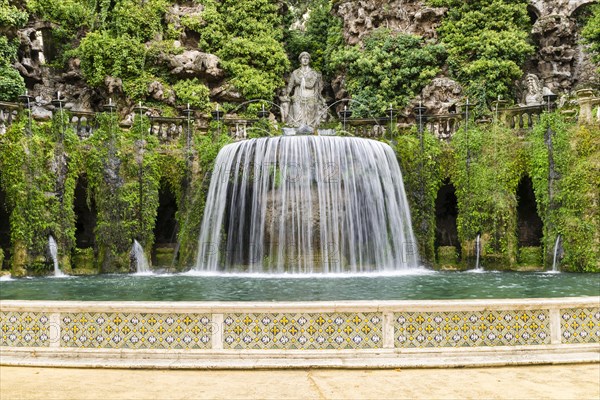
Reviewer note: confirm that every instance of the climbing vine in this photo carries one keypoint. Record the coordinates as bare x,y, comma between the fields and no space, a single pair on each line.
39,172
422,175
488,163
563,164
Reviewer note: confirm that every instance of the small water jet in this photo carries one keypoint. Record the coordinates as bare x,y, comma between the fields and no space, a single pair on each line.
554,259
53,250
477,252
138,256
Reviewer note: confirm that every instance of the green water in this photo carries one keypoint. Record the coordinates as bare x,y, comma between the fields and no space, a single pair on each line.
417,286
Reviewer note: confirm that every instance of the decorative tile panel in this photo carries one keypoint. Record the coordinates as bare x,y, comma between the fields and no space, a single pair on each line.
580,325
471,328
136,330
25,329
316,331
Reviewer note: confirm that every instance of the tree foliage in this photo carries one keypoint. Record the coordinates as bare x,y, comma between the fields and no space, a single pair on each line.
487,42
390,68
323,35
247,35
103,54
591,34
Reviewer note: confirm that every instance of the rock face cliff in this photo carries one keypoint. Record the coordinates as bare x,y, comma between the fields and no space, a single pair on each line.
560,60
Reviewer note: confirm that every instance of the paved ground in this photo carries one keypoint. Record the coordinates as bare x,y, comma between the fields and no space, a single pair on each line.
524,382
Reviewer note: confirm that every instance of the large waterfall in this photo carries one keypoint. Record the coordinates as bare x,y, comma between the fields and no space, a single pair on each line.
305,204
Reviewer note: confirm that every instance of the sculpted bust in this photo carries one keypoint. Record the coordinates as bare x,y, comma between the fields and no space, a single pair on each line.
534,91
304,90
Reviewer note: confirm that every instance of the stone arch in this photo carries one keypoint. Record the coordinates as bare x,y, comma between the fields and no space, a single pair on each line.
166,227
533,12
578,5
85,215
529,223
446,213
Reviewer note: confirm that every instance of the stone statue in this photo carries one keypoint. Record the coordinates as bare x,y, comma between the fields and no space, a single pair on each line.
307,105
534,91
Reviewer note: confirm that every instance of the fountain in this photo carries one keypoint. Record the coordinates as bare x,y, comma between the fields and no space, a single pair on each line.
53,250
477,252
305,204
139,257
556,246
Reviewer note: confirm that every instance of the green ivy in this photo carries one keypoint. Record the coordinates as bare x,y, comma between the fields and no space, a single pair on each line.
39,172
247,35
11,16
563,164
323,35
488,163
591,34
192,92
104,55
422,175
141,19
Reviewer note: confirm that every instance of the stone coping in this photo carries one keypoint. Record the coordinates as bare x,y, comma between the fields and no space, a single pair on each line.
329,306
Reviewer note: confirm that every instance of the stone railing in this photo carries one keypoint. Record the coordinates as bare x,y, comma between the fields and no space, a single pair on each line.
372,128
521,117
169,129
442,125
8,113
84,123
345,333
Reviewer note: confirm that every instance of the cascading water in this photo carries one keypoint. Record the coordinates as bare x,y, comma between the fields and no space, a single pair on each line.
53,249
141,262
556,246
306,204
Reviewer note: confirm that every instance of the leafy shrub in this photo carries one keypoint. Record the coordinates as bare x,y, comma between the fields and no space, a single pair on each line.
140,19
11,16
591,34
192,92
389,69
71,14
103,55
246,36
322,36
11,84
257,65
487,42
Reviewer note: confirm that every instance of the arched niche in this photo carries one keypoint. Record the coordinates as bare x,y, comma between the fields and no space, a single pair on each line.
529,223
4,224
165,229
446,212
85,215
533,13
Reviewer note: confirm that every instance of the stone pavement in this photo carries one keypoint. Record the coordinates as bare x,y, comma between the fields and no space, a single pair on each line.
580,381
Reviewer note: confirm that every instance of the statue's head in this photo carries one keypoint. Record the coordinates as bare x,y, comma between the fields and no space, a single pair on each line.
304,58
533,84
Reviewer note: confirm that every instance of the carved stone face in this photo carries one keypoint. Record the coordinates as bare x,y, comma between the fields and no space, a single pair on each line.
304,60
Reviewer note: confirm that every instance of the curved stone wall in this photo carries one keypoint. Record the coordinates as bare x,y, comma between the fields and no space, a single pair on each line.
300,334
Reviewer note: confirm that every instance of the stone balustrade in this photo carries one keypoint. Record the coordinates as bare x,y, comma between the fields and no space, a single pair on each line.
169,129
521,117
442,126
84,123
8,113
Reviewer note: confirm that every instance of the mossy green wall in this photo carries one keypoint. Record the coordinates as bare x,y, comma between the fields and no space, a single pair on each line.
39,170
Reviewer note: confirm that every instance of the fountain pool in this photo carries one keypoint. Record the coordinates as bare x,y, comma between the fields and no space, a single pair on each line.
413,285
